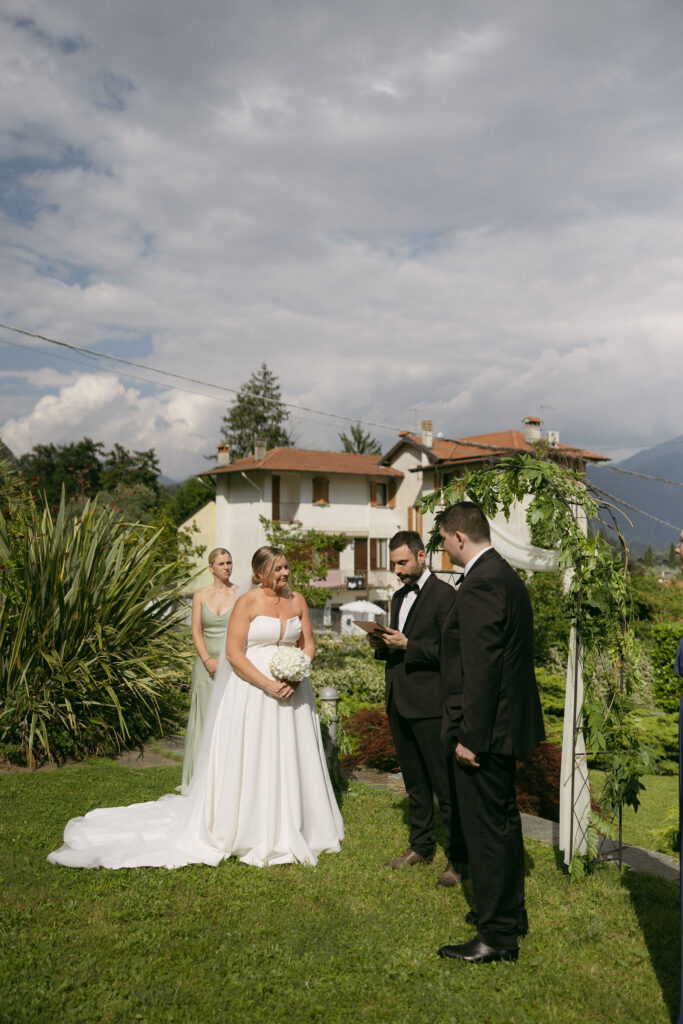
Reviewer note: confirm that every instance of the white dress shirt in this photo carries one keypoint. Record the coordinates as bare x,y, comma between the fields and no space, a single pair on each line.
409,600
475,558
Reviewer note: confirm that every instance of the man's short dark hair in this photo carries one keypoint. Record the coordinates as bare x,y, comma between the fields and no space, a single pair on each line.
410,538
465,517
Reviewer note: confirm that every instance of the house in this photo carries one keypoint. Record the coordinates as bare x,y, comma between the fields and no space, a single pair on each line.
367,497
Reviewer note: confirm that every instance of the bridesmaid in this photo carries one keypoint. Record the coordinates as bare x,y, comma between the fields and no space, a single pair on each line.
211,608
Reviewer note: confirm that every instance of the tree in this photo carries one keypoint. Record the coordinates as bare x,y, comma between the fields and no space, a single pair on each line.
76,466
309,553
649,558
673,559
84,468
190,497
124,469
360,441
257,412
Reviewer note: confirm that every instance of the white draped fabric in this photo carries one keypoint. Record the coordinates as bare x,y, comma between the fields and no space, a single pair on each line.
574,819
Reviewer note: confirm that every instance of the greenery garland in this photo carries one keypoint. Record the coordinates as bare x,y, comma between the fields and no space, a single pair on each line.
565,514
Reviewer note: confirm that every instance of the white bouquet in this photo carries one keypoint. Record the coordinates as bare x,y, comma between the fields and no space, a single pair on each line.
290,664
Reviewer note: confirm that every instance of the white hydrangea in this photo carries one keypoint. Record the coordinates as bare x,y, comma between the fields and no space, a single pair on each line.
290,664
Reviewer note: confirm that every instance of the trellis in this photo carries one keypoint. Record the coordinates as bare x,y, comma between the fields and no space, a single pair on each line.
556,494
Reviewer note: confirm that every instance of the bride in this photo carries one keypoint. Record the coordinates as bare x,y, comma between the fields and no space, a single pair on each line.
261,791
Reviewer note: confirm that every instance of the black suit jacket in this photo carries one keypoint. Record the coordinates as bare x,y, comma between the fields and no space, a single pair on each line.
491,702
412,676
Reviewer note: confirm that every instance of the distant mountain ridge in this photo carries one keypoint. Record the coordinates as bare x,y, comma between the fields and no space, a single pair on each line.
665,501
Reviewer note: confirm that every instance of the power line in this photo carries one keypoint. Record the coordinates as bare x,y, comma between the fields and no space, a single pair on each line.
644,476
625,504
566,449
193,380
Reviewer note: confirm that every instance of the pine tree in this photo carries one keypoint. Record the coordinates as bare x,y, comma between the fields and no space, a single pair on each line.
360,441
649,558
257,412
673,557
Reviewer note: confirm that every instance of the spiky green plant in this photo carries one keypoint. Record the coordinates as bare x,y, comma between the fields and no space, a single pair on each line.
89,661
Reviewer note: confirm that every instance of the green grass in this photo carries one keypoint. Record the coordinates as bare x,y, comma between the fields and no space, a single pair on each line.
658,801
345,942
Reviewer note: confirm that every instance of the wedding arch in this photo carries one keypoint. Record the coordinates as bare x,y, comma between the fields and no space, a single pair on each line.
569,525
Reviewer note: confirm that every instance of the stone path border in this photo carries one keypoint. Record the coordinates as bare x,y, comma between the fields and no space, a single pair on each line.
649,861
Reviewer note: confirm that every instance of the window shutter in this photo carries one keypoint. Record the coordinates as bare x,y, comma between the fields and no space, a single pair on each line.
392,494
373,553
373,493
410,517
275,489
326,491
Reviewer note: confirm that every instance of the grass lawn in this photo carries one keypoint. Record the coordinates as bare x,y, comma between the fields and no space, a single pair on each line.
658,801
345,942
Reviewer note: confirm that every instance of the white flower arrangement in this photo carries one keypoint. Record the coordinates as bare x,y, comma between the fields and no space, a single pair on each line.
290,664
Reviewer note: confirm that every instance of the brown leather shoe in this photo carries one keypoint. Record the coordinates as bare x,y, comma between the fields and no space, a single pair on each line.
453,875
407,858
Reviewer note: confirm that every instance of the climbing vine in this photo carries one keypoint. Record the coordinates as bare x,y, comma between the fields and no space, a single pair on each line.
563,513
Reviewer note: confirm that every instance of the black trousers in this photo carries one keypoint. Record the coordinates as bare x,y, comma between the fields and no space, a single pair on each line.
426,771
493,833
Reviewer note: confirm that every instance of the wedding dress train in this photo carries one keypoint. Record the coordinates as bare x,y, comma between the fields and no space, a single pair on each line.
260,792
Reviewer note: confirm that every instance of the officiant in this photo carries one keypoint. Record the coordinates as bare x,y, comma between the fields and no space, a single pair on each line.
411,650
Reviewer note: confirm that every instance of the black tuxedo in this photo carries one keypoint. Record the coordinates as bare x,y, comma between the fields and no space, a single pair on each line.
492,707
414,707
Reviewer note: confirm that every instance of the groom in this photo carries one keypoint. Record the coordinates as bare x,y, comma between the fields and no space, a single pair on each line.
492,716
414,706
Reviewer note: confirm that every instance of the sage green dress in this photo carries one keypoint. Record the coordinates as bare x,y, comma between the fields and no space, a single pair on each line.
214,628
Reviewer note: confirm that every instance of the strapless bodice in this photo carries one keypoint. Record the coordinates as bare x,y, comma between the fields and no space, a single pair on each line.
265,631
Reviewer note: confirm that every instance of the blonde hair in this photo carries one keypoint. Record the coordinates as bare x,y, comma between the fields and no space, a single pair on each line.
263,561
213,555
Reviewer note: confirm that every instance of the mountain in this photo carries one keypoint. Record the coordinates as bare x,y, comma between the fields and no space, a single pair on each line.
665,501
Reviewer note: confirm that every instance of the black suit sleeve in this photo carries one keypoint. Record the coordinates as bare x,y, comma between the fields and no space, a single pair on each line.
482,615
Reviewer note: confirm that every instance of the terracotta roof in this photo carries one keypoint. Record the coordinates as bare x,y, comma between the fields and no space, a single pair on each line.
306,460
481,446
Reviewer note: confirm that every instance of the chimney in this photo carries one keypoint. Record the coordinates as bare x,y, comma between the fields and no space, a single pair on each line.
259,448
532,429
223,454
427,433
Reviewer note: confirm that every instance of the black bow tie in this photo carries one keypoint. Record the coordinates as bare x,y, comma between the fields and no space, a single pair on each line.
412,588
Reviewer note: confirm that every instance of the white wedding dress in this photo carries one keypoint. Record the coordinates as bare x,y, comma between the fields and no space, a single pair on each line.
261,790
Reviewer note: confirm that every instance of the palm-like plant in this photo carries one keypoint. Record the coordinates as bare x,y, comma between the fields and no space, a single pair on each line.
89,661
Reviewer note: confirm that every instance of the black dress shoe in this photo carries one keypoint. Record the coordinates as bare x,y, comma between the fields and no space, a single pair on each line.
472,918
477,952
454,874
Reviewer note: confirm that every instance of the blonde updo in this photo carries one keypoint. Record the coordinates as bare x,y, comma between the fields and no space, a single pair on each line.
262,563
213,555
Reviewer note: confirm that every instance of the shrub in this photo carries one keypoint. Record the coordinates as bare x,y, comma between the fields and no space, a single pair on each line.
667,686
552,617
551,688
88,660
537,781
372,740
348,664
668,838
660,733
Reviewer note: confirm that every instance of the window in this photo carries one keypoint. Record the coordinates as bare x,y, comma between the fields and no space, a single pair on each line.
378,553
378,494
321,490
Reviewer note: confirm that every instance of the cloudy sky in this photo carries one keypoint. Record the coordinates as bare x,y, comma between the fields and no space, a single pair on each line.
465,211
